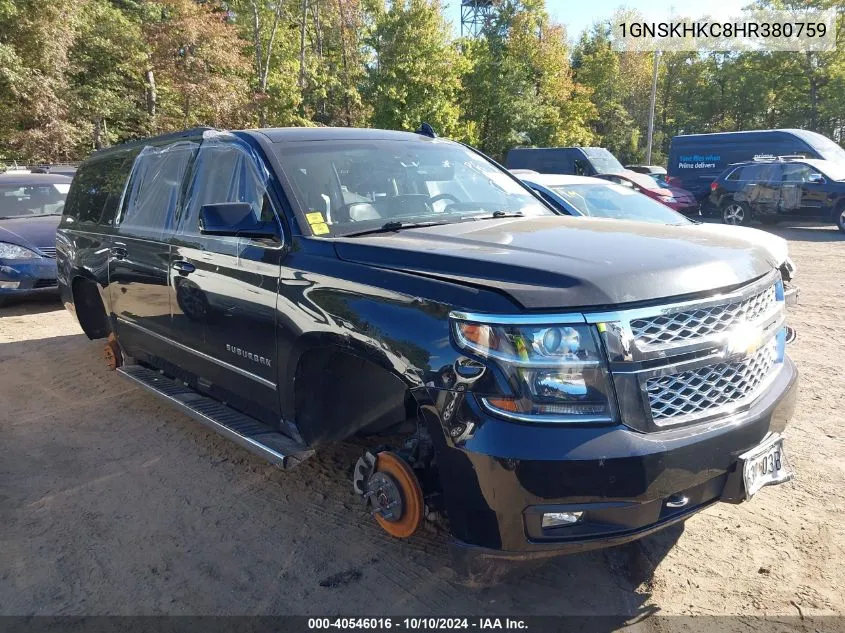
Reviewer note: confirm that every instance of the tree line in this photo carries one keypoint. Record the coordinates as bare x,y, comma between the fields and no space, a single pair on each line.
78,75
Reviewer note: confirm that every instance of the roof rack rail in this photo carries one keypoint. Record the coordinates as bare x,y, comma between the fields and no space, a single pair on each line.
769,157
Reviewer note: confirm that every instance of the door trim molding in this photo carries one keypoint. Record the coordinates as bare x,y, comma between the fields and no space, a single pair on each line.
243,372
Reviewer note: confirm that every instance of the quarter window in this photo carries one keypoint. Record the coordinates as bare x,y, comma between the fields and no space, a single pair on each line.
97,188
155,188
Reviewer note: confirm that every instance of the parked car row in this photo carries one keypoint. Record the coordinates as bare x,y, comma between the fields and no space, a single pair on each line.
736,176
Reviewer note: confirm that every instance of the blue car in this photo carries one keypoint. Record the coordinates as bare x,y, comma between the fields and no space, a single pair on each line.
31,206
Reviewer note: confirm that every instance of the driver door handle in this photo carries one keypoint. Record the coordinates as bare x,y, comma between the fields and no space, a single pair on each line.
183,268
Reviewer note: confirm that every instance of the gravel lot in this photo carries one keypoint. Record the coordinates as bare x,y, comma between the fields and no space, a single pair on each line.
112,502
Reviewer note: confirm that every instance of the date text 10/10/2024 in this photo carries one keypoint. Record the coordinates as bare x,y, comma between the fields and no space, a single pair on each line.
416,624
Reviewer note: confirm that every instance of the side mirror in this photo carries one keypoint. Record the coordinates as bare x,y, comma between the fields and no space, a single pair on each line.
816,178
234,219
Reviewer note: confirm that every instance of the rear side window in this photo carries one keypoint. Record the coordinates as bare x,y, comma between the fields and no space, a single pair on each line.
155,189
757,173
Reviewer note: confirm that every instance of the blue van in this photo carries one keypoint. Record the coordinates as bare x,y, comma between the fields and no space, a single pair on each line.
696,160
575,161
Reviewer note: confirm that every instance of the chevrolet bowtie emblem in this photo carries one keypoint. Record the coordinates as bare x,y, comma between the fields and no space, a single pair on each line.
743,340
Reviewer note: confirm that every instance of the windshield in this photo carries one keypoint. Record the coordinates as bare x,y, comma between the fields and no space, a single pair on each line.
19,201
615,201
354,186
603,161
827,148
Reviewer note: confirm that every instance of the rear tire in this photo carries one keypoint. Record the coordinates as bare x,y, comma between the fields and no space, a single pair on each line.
736,213
840,218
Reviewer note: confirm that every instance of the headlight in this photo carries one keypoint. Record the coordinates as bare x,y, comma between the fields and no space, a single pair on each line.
13,251
557,372
668,199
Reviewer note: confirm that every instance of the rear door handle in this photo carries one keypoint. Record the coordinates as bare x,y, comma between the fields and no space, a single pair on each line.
183,268
118,252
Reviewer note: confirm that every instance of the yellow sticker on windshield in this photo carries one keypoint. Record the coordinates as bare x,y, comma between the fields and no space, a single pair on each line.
320,229
315,218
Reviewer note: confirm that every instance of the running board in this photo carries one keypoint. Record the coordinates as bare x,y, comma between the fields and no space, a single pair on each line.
245,431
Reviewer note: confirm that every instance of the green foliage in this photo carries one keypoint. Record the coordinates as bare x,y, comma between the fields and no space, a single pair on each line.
76,75
519,89
416,72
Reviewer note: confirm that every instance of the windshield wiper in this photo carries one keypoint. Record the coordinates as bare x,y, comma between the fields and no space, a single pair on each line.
394,225
496,214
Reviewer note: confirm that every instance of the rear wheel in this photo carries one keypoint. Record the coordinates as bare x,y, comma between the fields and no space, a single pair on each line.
736,213
840,218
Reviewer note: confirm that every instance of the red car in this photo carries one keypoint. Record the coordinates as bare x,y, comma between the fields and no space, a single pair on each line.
680,200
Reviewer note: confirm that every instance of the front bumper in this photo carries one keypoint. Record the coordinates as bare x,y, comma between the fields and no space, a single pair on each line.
33,277
790,294
499,481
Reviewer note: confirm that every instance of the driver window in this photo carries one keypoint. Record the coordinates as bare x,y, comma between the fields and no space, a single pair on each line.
580,167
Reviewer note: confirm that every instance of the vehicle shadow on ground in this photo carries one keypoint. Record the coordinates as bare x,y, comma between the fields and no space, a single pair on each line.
30,305
801,232
807,233
94,464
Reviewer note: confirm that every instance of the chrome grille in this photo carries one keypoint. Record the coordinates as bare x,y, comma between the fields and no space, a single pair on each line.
696,392
688,325
49,251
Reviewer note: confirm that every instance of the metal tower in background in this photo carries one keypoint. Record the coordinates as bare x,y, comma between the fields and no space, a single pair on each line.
474,16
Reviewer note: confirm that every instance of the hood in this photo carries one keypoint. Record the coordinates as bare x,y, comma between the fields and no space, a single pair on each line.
36,231
560,262
777,247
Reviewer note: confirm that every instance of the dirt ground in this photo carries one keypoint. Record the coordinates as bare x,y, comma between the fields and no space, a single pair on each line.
113,503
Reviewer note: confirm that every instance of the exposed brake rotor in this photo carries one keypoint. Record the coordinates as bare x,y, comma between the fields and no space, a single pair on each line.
391,490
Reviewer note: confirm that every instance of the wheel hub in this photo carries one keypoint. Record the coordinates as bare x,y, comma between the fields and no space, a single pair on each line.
734,214
384,497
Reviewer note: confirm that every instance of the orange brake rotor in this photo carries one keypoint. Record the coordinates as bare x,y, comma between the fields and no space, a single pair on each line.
412,497
114,358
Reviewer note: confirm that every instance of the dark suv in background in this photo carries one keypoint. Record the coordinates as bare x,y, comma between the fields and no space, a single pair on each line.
774,189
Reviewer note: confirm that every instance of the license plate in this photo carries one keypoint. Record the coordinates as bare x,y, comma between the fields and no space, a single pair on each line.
765,465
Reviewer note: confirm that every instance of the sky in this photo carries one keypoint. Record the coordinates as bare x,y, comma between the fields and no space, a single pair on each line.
578,15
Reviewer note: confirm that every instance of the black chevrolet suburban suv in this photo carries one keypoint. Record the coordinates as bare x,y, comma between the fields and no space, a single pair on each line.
773,188
536,384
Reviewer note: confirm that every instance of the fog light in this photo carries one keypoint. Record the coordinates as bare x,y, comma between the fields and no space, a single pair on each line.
560,519
9,284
